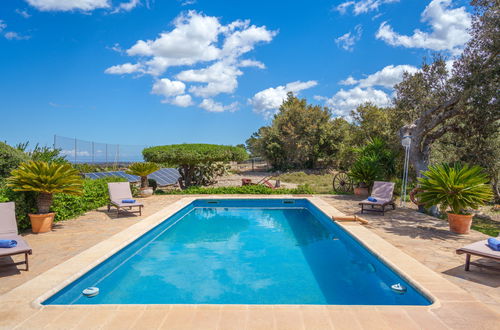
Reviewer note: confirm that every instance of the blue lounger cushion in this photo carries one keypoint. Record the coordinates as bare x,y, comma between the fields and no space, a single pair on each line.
7,243
494,244
128,200
372,199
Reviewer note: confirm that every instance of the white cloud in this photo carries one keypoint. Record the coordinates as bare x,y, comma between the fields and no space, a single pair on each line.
2,25
251,63
209,49
387,77
167,87
346,100
268,101
362,6
212,106
125,68
23,13
449,29
348,40
182,100
68,5
127,6
15,36
221,77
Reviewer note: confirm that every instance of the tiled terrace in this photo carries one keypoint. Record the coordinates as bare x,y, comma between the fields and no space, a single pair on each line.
77,244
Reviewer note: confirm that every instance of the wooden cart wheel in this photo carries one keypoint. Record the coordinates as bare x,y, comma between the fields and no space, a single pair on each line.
414,196
342,183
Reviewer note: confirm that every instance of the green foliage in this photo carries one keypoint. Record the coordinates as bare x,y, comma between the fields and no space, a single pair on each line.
366,170
251,190
25,203
455,186
298,137
43,177
143,170
10,158
94,195
198,164
193,154
44,154
488,227
375,161
378,152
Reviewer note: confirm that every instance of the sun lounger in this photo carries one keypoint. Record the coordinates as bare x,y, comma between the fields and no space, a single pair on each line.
118,192
382,193
8,231
479,249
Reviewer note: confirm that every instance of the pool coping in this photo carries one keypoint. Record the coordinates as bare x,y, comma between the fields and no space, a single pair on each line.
439,290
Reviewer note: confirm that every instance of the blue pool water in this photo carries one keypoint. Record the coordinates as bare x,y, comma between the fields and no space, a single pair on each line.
243,252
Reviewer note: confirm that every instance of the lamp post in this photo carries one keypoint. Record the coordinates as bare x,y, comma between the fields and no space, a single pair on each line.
406,143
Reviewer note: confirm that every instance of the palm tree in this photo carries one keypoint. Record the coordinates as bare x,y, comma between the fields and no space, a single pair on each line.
143,170
46,179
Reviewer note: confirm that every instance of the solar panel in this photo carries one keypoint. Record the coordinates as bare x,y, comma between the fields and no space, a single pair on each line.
163,177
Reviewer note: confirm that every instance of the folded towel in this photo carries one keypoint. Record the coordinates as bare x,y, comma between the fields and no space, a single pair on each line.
7,243
372,199
128,200
494,244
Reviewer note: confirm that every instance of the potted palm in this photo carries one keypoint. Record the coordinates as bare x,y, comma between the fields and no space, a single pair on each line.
143,170
46,179
364,171
458,188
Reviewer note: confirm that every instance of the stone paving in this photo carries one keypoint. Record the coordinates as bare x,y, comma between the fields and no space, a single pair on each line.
424,238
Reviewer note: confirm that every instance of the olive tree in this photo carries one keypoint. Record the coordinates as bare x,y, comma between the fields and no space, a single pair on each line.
463,105
195,162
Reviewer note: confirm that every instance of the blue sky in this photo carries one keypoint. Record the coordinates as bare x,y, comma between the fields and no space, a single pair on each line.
170,71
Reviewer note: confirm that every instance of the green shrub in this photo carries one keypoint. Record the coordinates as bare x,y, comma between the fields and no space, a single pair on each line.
95,195
197,163
251,190
25,203
10,158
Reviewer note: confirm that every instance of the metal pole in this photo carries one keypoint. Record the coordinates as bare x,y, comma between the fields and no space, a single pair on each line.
75,150
117,154
92,152
106,154
55,142
404,184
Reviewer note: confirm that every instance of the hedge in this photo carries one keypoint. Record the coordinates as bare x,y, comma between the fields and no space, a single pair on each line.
95,195
10,158
250,190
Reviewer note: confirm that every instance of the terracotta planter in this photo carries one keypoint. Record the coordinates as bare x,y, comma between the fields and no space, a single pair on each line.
460,223
361,191
146,192
41,223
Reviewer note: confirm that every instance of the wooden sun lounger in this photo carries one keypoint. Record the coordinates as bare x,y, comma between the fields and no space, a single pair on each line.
382,192
479,249
8,231
118,191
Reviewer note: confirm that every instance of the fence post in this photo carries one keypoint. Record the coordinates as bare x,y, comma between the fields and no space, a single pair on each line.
75,150
55,142
92,152
117,155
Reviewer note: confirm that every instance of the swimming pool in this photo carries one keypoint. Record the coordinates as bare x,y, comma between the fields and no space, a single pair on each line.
243,251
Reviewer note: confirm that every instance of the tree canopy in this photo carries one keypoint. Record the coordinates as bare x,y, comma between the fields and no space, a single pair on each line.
194,160
299,135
